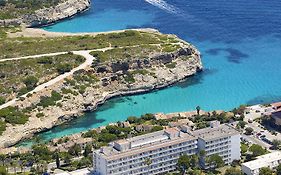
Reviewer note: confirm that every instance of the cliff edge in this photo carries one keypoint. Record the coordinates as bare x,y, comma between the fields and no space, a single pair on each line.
49,15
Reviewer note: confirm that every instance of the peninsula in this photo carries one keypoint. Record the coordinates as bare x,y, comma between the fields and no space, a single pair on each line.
38,13
60,76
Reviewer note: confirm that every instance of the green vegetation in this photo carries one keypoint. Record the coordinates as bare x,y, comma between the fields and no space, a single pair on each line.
278,170
188,163
2,100
244,148
40,114
112,132
215,161
233,171
21,76
2,127
170,47
50,101
202,121
13,8
171,65
23,46
249,131
136,52
265,171
30,82
257,150
129,78
12,115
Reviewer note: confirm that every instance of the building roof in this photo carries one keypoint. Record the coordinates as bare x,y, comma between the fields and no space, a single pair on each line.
172,130
263,161
276,114
215,132
277,104
146,142
164,138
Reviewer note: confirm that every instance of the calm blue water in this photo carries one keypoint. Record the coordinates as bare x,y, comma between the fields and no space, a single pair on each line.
240,42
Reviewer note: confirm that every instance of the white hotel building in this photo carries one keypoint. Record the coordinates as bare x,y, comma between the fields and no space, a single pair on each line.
158,152
270,160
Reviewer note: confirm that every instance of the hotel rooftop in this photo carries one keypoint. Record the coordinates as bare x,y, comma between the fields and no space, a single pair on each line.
147,142
160,139
215,131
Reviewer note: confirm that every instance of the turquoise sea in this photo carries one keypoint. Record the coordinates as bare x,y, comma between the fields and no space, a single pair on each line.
240,43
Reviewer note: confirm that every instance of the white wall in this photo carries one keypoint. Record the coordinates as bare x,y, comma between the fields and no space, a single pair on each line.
246,170
100,165
235,147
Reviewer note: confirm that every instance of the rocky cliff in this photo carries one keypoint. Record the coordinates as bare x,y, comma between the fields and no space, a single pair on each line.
91,87
50,15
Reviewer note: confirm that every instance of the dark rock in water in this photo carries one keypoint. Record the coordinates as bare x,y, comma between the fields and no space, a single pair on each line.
135,103
143,97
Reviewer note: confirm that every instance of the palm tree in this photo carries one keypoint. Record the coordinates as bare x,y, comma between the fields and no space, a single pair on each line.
148,162
198,109
276,144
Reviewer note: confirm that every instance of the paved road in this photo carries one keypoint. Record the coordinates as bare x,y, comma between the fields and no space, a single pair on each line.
254,140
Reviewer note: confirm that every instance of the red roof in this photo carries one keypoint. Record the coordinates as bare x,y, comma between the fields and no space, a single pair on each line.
277,104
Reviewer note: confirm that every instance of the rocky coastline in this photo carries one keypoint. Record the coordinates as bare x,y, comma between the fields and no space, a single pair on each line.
46,16
110,83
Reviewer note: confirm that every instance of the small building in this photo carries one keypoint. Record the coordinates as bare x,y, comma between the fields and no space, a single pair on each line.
143,128
276,115
276,106
270,160
125,124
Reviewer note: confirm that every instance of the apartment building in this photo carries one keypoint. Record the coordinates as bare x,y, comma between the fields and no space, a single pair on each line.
218,139
158,152
270,160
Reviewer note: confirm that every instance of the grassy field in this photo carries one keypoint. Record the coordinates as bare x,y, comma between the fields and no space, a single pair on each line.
14,8
22,46
20,76
126,53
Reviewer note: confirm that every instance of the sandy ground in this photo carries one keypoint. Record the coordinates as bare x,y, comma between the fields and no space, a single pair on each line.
35,32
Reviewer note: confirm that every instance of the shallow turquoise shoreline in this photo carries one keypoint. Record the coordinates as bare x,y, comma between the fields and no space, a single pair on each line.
240,42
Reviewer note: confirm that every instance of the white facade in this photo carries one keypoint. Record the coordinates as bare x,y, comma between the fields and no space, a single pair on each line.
220,139
158,152
270,160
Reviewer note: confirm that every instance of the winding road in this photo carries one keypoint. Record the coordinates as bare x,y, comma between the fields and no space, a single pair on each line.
85,53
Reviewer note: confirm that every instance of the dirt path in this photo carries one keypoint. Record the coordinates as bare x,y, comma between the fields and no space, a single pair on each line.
86,54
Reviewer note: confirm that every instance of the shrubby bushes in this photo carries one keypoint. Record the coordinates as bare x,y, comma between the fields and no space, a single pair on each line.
50,101
2,100
13,115
30,82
